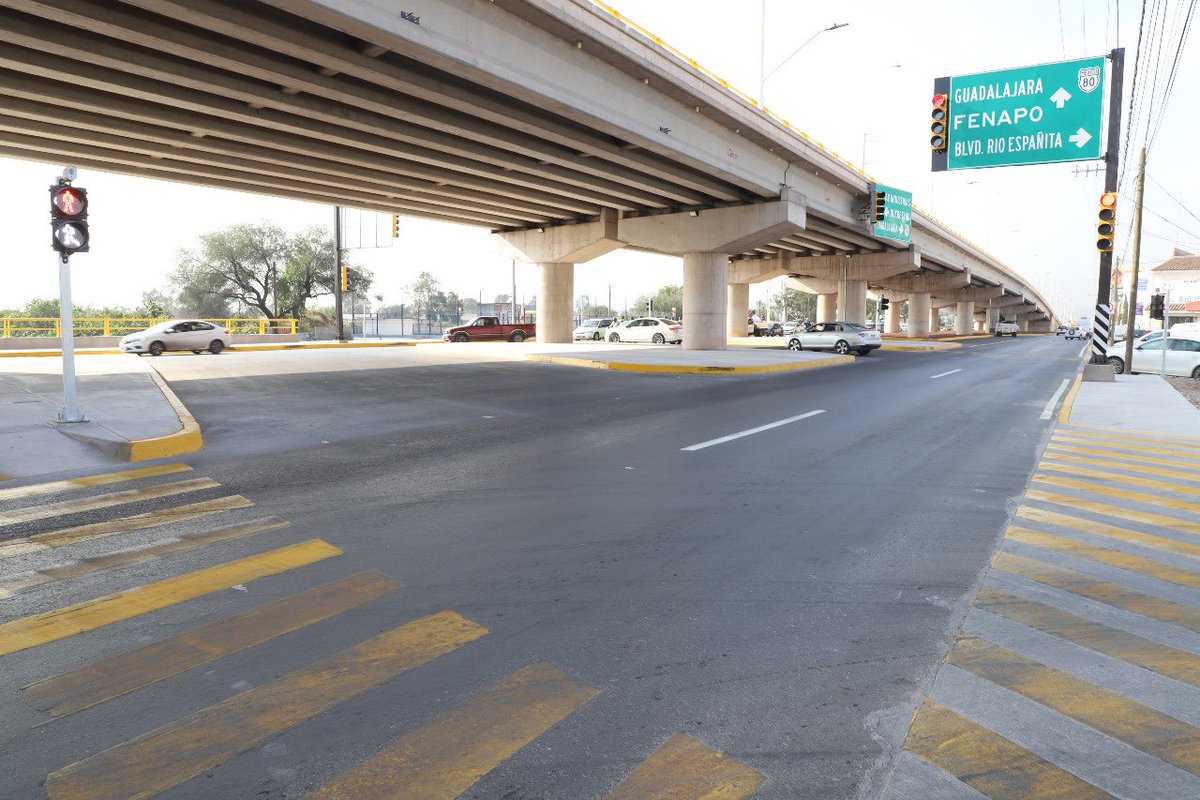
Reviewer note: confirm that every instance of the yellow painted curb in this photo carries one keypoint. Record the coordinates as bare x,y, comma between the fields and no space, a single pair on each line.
1064,413
919,348
1158,437
186,440
687,369
56,353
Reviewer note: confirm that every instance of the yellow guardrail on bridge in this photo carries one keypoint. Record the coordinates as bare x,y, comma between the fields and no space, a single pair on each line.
119,326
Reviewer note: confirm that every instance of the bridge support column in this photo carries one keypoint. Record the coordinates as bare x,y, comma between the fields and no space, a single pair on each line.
556,302
964,316
980,325
891,317
826,307
705,295
934,320
852,301
737,307
1023,326
918,315
993,317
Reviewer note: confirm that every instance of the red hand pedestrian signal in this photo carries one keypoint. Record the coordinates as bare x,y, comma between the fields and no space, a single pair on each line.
68,219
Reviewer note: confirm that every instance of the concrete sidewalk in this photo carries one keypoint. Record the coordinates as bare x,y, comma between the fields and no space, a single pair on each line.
131,413
1144,403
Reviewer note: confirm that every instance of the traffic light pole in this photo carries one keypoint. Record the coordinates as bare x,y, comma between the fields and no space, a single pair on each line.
1103,319
66,318
337,273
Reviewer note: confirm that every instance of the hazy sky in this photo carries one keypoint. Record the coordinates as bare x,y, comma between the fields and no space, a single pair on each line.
862,90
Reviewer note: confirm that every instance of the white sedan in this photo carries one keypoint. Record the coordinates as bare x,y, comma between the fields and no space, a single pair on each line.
647,329
1183,356
177,334
841,337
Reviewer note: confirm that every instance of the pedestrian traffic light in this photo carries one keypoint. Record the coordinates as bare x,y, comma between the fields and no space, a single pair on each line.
345,278
880,199
937,123
68,219
1106,222
883,304
395,226
1156,306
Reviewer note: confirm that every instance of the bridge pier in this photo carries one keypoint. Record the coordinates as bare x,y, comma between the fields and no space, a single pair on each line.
891,317
737,308
827,307
918,315
556,302
964,317
705,295
852,301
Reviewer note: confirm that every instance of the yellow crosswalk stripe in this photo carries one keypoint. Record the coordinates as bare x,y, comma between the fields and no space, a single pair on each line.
1111,510
87,566
1103,555
54,487
1100,441
682,769
1107,711
1056,447
49,626
444,757
1160,658
1063,460
1124,494
1106,592
1110,531
173,753
112,527
986,761
104,501
96,683
1123,476
1131,436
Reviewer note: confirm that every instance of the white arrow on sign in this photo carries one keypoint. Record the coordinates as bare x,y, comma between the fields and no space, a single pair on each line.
1060,97
1080,137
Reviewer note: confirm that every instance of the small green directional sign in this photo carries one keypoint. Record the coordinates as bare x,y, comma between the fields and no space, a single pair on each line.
1028,115
897,214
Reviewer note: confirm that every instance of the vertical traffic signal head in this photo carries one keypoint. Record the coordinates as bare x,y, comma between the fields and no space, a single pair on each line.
1106,222
395,226
68,219
938,120
1156,306
345,278
883,304
880,200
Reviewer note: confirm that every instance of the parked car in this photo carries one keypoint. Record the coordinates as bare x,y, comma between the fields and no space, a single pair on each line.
1138,333
790,327
593,329
841,337
1005,328
1182,356
774,329
1060,330
490,329
647,329
177,334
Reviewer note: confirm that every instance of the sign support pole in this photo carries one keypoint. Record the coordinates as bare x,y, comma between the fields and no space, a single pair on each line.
1102,321
337,273
1137,258
66,317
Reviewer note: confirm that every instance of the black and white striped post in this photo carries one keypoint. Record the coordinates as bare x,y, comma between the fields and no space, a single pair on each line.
1104,287
1100,328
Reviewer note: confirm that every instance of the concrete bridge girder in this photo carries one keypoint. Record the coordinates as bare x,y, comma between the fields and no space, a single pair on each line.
928,283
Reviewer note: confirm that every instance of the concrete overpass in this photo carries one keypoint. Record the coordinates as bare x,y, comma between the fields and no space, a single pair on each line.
554,123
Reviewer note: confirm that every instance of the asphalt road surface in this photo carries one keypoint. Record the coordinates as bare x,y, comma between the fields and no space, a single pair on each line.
596,583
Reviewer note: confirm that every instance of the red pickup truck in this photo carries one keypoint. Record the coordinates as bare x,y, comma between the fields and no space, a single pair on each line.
489,329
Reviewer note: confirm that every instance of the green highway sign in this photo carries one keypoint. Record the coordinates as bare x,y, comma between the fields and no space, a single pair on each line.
1028,115
897,214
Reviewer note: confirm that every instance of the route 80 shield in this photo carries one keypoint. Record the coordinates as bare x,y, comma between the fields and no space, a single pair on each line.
1089,79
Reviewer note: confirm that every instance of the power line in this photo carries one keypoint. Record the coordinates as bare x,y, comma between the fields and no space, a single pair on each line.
1183,35
1149,210
1133,94
1061,33
1173,197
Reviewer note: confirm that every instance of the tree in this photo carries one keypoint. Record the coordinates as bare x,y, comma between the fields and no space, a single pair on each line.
156,305
793,304
260,269
667,302
424,291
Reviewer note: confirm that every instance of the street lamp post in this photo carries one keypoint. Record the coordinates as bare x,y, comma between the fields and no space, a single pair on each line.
762,52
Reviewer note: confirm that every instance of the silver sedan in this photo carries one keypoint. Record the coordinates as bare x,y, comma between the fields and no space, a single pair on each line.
177,334
841,337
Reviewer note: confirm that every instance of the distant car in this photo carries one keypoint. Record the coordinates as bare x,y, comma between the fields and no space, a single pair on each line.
177,334
1060,330
647,329
1182,357
774,329
1138,333
593,329
1078,333
790,327
1005,328
841,337
490,329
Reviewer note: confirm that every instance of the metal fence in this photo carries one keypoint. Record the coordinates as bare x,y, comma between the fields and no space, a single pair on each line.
119,326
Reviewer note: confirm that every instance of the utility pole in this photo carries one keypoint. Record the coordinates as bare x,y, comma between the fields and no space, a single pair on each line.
337,273
1137,257
514,291
1103,319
